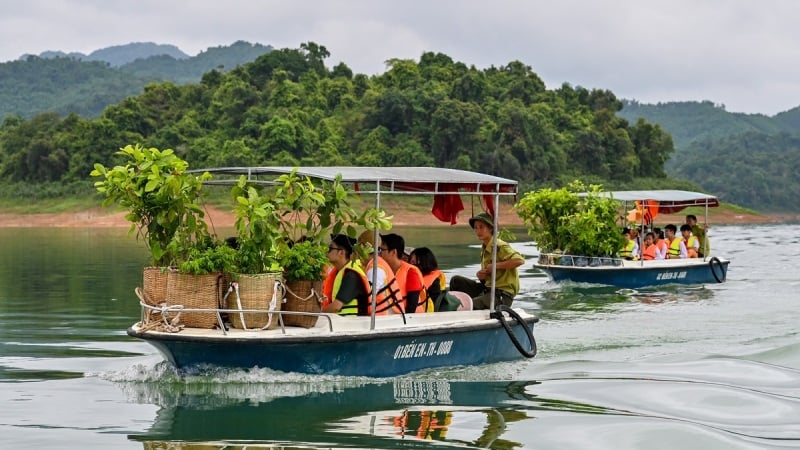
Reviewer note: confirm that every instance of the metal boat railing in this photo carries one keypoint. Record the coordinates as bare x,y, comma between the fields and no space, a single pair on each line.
148,311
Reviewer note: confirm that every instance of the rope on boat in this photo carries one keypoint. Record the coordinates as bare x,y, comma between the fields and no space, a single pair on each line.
715,261
498,314
166,325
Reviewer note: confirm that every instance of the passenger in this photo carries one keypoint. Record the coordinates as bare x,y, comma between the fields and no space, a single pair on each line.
700,232
661,244
407,253
350,287
382,272
410,296
506,276
649,252
629,250
675,245
432,278
690,242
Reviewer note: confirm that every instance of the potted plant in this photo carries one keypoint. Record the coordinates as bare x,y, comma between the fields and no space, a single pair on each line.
161,202
257,270
309,214
560,221
197,282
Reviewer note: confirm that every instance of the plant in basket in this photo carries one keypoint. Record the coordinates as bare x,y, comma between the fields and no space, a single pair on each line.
560,221
309,214
161,200
257,270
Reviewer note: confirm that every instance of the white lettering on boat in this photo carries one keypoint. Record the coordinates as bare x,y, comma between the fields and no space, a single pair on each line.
671,275
423,349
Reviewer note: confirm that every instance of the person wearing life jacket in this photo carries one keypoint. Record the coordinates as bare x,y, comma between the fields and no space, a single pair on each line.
661,244
649,252
381,274
691,242
630,250
675,245
410,296
350,288
701,233
505,268
432,278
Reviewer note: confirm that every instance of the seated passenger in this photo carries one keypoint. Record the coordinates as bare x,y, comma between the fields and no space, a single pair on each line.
410,297
701,233
661,244
691,242
629,250
432,278
649,252
350,287
675,245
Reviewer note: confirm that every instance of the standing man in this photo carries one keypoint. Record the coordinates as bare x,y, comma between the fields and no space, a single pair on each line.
506,276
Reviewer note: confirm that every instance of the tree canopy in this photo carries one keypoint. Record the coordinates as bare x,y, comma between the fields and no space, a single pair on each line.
288,108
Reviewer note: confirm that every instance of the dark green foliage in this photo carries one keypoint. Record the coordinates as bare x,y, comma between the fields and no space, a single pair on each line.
65,85
755,170
287,108
560,221
747,159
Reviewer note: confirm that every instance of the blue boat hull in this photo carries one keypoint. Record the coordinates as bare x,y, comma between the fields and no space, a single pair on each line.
639,276
382,354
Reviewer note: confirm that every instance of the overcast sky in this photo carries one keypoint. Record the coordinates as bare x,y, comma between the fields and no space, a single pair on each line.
744,54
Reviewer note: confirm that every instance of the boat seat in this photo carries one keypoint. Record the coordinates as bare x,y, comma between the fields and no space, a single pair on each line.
466,300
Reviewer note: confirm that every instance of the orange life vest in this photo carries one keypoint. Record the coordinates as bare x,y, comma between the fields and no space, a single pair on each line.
650,252
428,281
382,295
398,294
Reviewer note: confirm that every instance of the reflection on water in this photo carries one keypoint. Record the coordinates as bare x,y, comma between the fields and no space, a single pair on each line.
334,412
683,398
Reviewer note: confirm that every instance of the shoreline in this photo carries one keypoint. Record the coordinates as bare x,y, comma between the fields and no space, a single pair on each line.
103,218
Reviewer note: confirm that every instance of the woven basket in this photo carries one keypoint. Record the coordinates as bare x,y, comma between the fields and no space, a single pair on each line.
194,291
154,285
258,291
302,296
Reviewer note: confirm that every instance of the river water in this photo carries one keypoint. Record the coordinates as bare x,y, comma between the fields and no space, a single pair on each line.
703,367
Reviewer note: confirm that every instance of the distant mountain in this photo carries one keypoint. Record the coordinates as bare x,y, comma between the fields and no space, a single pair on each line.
119,55
692,121
72,83
749,159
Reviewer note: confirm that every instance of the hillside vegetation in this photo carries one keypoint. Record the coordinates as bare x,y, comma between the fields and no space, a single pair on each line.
86,85
749,159
288,108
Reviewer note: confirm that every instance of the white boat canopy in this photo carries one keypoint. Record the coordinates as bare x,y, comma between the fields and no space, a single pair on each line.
669,201
420,180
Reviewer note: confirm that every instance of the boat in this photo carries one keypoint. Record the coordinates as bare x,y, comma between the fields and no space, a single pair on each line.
634,274
371,346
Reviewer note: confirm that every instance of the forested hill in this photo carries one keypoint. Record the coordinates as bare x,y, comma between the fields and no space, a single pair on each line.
288,108
86,85
696,121
749,159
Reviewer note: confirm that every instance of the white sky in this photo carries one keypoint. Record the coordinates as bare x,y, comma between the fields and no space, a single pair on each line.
744,54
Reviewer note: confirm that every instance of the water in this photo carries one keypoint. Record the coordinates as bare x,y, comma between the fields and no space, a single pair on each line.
712,367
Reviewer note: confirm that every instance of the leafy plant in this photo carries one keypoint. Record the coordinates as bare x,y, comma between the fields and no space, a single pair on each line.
217,257
161,199
257,228
304,260
561,221
309,214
